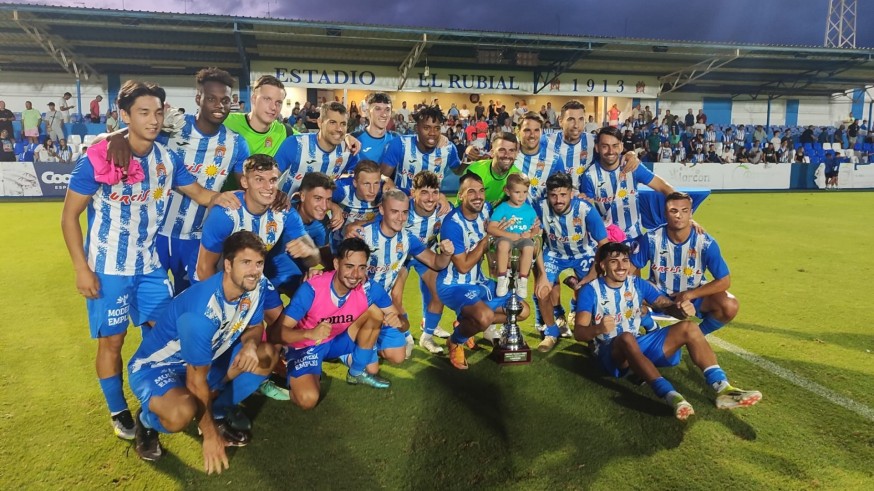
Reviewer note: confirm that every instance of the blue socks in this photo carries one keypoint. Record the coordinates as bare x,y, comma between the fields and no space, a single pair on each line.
661,387
709,324
361,357
552,330
715,378
431,321
457,337
114,393
235,392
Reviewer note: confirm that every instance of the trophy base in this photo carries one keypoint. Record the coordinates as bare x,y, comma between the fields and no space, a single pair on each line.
504,356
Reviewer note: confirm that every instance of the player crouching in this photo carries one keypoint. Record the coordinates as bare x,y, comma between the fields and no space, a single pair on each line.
204,356
609,312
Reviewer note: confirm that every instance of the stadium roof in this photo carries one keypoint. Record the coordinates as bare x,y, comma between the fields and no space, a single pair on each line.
44,38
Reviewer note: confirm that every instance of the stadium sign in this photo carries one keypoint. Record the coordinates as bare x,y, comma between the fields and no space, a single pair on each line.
593,84
385,78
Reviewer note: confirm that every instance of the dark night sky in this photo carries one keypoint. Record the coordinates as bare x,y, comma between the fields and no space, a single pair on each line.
742,21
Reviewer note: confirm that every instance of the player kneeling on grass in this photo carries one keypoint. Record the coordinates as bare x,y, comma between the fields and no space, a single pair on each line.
330,316
609,312
205,355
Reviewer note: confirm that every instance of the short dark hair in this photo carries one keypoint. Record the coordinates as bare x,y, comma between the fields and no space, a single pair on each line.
350,245
331,106
259,161
429,112
213,74
378,98
610,131
467,177
132,89
312,180
365,166
678,195
532,116
572,104
506,136
239,241
268,80
559,180
426,179
608,250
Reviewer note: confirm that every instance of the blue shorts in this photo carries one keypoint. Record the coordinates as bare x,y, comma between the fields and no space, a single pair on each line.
651,345
179,257
147,383
555,266
420,268
308,361
456,297
140,298
282,270
390,337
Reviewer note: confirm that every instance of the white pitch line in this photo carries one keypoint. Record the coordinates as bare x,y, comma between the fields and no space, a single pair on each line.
845,402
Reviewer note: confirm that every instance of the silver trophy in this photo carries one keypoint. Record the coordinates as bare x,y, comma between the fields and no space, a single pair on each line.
511,348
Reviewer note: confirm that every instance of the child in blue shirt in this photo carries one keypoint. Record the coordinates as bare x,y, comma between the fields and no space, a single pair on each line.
512,225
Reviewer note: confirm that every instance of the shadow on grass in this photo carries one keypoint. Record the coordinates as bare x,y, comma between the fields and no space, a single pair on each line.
848,340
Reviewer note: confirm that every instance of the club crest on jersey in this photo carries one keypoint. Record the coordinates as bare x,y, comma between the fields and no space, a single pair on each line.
399,248
584,154
438,161
578,222
540,165
338,161
161,169
628,295
268,142
220,151
272,226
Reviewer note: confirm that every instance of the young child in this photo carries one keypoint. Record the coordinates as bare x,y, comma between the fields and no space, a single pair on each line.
512,225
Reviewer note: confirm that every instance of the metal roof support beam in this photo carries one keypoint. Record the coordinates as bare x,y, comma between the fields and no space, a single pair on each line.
411,60
244,58
682,77
61,55
542,79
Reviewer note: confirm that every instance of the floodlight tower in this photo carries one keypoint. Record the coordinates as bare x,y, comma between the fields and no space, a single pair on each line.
840,25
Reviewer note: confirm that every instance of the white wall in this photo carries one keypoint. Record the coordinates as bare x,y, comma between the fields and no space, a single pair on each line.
755,112
42,88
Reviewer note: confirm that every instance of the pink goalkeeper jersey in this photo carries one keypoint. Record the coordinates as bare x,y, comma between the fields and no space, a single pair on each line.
324,308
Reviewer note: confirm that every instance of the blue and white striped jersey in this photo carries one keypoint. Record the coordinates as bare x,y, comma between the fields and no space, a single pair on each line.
676,268
464,234
404,156
615,195
300,154
270,225
209,158
426,228
388,254
354,208
623,303
123,219
572,234
538,168
577,157
199,326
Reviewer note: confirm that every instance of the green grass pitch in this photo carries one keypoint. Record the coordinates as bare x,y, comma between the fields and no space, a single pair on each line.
802,271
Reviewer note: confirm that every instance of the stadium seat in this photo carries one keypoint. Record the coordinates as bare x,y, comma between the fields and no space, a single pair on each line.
88,139
74,141
827,146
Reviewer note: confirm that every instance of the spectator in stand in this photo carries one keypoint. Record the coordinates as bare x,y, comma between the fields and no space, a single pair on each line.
453,112
64,106
543,113
740,155
235,103
30,121
638,138
785,152
839,136
701,118
65,153
47,152
853,133
479,111
613,116
654,143
728,154
807,136
770,154
628,141
591,125
95,109
551,116
712,156
689,119
666,153
740,138
54,126
776,140
300,126
823,135
7,147
754,155
112,121
464,114
759,134
6,119
312,115
801,157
